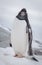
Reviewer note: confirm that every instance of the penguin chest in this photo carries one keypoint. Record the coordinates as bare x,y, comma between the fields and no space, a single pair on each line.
19,36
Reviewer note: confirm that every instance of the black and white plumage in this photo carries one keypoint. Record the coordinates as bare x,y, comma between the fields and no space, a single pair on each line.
21,28
28,29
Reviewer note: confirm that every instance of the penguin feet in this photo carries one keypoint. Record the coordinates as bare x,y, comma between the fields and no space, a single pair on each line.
19,55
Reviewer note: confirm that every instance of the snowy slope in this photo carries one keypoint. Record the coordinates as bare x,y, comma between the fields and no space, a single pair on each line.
7,58
4,36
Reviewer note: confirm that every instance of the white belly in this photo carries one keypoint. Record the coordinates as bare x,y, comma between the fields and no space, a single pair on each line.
18,36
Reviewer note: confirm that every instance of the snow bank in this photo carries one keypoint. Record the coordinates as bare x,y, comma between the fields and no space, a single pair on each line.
7,51
7,58
6,29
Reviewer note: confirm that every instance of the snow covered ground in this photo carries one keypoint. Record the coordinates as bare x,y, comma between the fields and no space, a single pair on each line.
7,54
7,58
8,10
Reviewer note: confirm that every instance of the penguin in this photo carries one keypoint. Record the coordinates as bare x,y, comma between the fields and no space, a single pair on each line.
21,28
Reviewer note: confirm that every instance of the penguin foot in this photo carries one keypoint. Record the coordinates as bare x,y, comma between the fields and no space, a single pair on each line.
19,56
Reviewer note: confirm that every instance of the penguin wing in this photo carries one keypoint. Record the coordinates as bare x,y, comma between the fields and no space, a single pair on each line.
29,31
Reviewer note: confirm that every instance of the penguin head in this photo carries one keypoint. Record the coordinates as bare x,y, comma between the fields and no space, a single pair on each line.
22,15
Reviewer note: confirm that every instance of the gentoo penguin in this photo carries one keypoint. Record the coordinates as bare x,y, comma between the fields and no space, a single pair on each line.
21,30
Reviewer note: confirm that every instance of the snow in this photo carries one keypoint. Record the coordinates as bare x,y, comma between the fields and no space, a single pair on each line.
7,58
4,36
7,51
5,28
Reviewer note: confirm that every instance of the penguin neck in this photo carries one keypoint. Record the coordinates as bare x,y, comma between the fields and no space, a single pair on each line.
26,20
21,21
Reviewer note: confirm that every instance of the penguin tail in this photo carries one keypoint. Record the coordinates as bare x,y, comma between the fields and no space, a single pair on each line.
33,58
10,45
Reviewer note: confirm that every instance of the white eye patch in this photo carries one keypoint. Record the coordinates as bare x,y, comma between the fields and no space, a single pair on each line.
22,13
